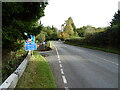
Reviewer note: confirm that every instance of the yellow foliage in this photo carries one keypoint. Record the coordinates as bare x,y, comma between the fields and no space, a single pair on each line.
64,35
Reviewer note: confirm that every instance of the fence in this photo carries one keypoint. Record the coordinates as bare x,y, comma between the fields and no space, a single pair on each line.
12,80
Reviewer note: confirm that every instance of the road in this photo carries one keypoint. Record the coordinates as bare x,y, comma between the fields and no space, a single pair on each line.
77,67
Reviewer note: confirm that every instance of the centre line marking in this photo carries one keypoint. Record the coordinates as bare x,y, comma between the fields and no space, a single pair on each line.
61,65
64,79
61,71
63,76
59,61
66,88
58,57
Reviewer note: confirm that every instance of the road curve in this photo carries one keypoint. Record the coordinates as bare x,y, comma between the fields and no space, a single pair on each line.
86,68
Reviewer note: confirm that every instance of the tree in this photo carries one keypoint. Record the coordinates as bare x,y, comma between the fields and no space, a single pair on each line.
68,29
63,35
80,31
116,19
49,32
114,31
17,18
41,37
72,23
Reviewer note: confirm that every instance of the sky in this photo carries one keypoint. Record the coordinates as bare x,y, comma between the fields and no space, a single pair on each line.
97,13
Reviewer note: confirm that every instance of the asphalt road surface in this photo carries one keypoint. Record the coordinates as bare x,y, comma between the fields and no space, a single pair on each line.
77,67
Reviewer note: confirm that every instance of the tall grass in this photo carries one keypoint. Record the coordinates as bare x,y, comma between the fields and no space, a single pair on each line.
11,60
38,74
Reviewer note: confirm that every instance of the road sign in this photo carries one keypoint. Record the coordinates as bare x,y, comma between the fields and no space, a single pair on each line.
30,46
33,39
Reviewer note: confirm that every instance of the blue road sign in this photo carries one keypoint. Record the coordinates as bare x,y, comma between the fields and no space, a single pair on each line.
30,46
33,39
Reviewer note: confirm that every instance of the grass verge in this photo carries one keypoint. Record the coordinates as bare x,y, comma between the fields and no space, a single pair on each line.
37,74
51,45
96,48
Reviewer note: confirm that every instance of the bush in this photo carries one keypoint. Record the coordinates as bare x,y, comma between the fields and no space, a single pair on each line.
12,61
106,38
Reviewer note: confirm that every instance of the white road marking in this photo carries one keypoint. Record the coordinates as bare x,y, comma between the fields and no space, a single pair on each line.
64,79
105,59
60,65
57,53
61,71
110,61
59,61
66,88
58,57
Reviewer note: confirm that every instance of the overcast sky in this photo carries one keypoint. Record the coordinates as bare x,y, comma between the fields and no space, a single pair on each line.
97,13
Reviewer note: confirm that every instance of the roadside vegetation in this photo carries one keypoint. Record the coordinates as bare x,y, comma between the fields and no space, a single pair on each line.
111,50
102,38
11,61
18,18
37,74
47,34
22,17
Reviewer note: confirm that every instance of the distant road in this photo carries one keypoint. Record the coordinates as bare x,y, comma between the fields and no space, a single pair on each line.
83,68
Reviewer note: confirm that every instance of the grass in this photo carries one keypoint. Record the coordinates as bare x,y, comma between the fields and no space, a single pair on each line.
51,45
96,48
37,74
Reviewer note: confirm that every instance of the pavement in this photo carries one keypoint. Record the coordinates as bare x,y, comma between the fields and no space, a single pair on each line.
77,67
